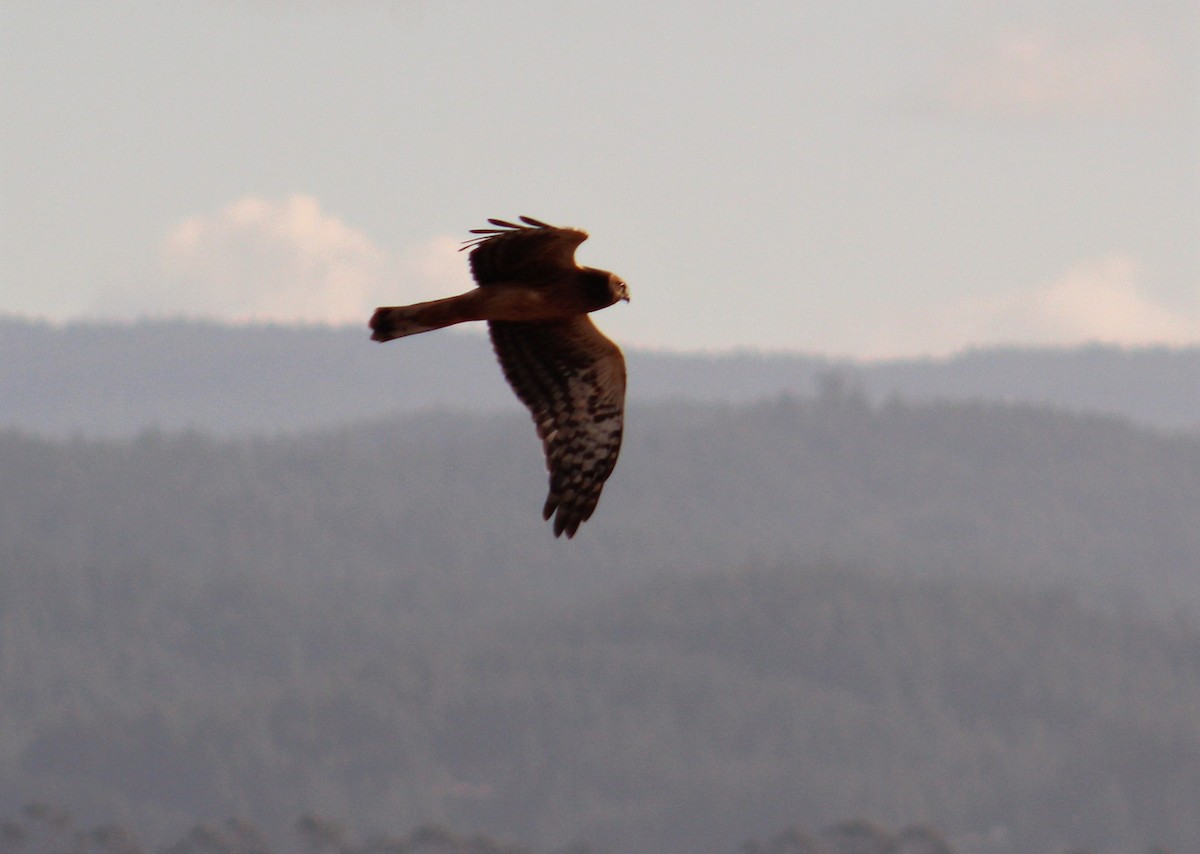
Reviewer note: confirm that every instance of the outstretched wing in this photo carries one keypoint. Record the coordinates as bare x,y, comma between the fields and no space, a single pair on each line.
529,252
572,379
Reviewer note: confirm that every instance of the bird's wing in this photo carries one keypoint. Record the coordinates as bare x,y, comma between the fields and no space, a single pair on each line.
529,251
572,379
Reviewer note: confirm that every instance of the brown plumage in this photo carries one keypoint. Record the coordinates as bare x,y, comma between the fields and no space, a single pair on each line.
536,299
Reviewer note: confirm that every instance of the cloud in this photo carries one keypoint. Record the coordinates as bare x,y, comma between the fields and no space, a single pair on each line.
1098,299
288,261
1101,300
432,269
1041,73
263,260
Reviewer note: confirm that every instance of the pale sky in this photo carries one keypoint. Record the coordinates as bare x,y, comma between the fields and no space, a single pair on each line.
869,179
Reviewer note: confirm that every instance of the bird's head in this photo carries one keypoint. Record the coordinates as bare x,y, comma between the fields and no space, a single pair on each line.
602,288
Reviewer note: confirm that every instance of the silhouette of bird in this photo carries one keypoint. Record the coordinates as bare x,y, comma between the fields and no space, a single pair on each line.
536,300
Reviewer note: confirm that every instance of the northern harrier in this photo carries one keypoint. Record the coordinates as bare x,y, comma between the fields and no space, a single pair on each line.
536,300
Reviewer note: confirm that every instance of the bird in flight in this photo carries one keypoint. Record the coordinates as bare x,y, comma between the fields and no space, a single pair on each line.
536,300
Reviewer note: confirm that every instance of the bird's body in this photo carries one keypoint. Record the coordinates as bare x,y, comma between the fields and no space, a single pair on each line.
536,299
502,301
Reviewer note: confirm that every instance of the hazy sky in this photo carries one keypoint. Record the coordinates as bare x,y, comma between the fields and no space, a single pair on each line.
855,178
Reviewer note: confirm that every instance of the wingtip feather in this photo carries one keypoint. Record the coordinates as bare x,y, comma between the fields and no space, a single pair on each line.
563,523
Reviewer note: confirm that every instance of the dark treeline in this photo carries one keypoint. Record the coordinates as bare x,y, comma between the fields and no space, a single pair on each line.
42,829
374,623
110,379
1154,385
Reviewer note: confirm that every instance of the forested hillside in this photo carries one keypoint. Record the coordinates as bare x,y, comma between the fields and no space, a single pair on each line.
112,379
684,716
977,616
449,505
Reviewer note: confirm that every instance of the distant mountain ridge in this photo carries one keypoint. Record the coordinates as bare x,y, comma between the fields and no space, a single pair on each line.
979,615
112,379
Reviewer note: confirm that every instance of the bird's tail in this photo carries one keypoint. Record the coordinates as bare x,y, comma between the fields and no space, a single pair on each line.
397,321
